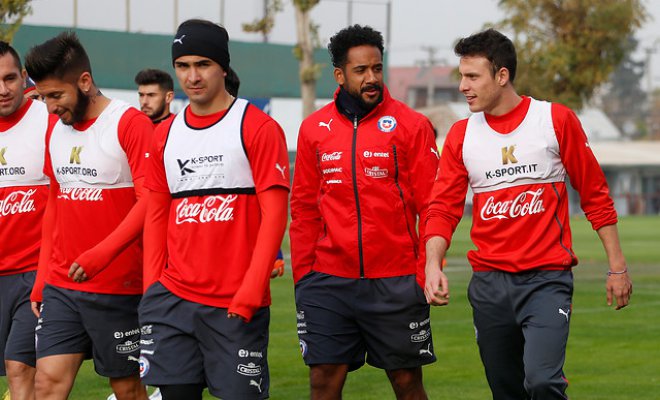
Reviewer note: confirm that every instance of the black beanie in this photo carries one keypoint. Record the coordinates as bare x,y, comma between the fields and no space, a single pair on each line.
202,38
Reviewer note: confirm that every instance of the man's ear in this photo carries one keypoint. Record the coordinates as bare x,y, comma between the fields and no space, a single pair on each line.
85,82
340,76
502,76
24,77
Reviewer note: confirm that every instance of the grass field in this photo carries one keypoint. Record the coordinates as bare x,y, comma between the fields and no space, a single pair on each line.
611,354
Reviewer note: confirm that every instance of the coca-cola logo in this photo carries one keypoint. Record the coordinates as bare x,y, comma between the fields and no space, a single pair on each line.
211,209
81,194
18,202
526,203
334,156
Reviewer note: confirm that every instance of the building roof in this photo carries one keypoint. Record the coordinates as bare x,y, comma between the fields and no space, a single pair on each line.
443,116
619,155
604,137
401,79
596,124
627,154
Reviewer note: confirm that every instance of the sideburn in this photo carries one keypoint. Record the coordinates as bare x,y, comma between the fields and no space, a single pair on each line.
80,109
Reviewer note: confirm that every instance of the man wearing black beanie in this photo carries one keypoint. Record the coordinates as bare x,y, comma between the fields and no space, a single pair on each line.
221,167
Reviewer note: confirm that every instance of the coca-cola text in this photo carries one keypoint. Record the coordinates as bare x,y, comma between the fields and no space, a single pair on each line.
526,203
18,202
334,156
211,209
81,194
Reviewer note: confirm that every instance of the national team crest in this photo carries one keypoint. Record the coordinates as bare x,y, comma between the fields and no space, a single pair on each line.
387,123
144,366
303,348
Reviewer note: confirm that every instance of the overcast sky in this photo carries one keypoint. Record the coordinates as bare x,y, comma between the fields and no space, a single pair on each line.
415,24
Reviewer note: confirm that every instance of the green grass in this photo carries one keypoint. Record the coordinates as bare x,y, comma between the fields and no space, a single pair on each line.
640,240
611,354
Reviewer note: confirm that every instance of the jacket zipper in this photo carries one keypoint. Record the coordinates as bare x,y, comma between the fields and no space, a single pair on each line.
320,170
357,200
405,211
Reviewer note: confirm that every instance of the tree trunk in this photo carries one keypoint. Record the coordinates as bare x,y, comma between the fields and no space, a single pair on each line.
306,62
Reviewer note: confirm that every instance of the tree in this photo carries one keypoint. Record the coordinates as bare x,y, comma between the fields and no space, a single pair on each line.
653,118
12,13
567,48
625,101
265,24
307,40
307,36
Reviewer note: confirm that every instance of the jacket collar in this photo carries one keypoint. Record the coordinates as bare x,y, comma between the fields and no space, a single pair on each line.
348,106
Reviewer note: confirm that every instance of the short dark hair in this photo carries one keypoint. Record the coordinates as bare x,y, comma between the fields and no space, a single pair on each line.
60,57
6,48
493,45
350,37
150,76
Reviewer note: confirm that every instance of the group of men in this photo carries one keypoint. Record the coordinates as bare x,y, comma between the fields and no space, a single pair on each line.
150,251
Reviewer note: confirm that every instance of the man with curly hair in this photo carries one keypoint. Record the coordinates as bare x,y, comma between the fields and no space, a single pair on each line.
364,169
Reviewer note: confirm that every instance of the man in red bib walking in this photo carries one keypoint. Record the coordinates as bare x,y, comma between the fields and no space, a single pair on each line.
219,183
515,153
89,280
23,196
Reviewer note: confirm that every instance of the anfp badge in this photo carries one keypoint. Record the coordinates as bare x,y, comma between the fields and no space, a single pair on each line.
387,123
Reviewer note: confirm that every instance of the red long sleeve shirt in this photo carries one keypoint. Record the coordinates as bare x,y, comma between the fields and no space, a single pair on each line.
520,206
213,232
23,187
358,191
89,200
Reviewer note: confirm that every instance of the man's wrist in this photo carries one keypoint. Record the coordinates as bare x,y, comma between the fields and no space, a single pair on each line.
624,271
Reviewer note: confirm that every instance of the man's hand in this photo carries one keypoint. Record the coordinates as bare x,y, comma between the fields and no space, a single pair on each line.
618,283
436,288
619,286
36,308
77,273
278,268
234,315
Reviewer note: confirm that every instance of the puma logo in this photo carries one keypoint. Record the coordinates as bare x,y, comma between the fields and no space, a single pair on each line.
281,169
434,151
426,351
326,124
254,383
565,313
179,40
